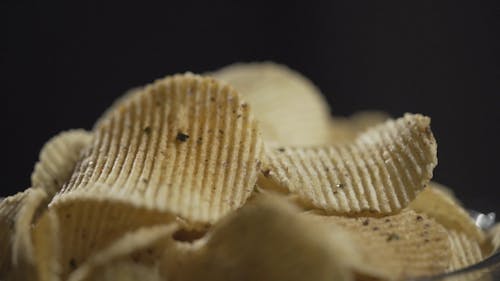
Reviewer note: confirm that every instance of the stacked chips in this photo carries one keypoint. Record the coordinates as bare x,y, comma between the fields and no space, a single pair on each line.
244,176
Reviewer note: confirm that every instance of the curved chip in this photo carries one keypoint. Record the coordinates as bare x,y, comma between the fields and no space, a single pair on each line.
58,158
267,240
17,213
142,247
444,209
382,171
464,250
400,246
186,144
291,109
346,129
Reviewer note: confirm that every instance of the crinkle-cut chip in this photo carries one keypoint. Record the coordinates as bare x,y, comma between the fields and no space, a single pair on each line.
464,250
346,129
17,213
382,171
494,239
440,206
401,246
186,144
127,271
46,235
265,240
143,246
120,101
290,108
58,158
93,221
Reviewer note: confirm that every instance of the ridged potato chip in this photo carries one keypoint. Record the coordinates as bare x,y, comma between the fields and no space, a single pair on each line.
46,235
17,213
58,158
382,171
186,144
267,240
291,109
444,209
465,250
346,129
400,246
143,247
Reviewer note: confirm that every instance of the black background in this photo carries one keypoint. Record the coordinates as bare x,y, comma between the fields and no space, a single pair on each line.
64,63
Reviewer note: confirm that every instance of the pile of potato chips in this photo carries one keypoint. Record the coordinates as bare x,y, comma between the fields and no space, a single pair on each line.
241,174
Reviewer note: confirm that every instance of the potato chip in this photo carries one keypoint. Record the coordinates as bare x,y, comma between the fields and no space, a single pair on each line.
94,221
381,171
58,158
400,246
127,271
17,213
48,247
346,129
143,246
494,239
267,240
291,109
439,205
465,251
185,145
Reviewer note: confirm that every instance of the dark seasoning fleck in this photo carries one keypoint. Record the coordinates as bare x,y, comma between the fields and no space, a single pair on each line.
392,236
182,137
147,130
72,263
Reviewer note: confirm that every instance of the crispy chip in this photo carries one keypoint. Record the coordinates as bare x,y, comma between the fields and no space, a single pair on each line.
400,246
143,247
127,271
381,171
267,240
444,209
346,129
186,145
48,247
291,109
464,250
58,158
17,213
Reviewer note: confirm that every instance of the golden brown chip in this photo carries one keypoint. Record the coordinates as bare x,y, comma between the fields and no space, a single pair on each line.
346,129
439,205
400,246
143,247
58,158
381,171
266,240
291,109
464,250
187,145
17,213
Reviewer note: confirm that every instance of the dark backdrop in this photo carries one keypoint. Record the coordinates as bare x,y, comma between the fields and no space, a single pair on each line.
63,64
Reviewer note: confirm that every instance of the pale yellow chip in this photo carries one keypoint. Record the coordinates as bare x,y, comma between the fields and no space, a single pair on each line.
438,204
127,271
186,144
92,222
58,158
382,171
346,129
267,240
400,246
465,251
143,246
291,109
17,213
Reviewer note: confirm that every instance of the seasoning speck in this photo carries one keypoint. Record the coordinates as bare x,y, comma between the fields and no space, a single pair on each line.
72,263
281,149
340,185
419,218
182,137
266,173
147,130
392,236
366,222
